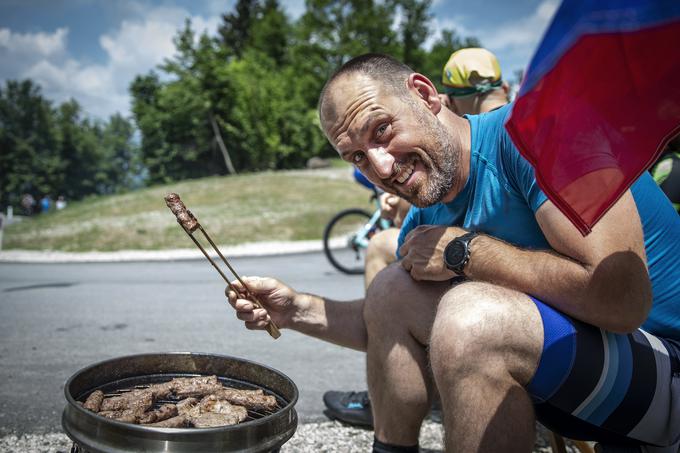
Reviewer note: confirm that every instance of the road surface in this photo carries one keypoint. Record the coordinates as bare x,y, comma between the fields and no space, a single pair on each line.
58,318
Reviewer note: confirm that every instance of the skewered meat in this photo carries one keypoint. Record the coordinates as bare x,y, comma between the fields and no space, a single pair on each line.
164,412
184,216
175,422
94,401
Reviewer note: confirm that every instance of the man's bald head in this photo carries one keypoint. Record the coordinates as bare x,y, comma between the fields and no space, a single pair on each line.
389,72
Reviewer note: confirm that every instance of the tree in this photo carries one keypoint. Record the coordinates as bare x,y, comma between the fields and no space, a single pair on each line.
441,50
28,158
413,28
236,27
121,163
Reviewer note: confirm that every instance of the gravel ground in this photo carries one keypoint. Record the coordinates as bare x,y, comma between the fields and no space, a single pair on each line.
330,437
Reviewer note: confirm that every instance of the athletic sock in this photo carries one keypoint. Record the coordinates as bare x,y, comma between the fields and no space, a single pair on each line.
379,447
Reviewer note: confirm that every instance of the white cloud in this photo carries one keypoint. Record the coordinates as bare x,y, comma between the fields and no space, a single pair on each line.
44,44
136,46
513,41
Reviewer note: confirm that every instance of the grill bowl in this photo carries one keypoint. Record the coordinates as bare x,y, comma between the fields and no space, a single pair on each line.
97,434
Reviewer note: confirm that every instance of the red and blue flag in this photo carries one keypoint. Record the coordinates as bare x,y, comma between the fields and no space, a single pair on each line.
599,101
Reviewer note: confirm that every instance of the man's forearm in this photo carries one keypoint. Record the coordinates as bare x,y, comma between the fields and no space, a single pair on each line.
609,295
341,323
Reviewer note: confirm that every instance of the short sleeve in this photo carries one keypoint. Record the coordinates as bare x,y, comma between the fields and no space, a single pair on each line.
411,221
521,174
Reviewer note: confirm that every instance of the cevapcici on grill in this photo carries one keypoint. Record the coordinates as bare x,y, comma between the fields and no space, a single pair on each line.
189,224
199,402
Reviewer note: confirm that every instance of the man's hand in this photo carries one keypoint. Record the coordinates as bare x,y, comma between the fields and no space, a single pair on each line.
278,302
423,252
394,208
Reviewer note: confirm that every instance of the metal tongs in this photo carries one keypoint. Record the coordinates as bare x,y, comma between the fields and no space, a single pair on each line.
189,224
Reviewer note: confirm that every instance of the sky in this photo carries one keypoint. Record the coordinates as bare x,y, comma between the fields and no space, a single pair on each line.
90,50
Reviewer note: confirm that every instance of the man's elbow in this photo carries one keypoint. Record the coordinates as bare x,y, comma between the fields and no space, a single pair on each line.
630,310
622,288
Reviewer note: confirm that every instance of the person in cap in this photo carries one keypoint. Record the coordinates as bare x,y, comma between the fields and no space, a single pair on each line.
473,84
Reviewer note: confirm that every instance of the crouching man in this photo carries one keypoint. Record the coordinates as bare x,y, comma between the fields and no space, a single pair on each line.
497,301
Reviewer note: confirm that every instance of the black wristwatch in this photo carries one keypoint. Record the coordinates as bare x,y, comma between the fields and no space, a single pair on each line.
457,252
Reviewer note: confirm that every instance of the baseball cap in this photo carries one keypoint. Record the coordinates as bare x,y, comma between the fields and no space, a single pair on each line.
471,70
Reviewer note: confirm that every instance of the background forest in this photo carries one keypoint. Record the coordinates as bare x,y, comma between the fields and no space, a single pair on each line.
242,100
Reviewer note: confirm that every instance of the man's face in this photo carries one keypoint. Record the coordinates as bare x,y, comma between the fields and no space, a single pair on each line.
398,144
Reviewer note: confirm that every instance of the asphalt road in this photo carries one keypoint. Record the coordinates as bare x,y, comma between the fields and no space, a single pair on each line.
58,318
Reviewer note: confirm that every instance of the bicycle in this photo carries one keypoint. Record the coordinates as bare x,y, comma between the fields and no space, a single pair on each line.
347,234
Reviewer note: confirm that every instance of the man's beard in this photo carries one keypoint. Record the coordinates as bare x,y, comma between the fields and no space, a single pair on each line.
441,168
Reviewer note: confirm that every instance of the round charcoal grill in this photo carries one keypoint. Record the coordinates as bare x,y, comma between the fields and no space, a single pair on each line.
260,432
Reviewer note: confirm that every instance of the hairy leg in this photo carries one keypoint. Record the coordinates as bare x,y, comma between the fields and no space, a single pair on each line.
485,346
399,312
381,252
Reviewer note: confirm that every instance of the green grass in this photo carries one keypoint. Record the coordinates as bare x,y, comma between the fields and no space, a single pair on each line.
271,206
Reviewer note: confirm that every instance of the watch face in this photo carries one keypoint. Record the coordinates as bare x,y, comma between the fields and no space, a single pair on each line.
454,253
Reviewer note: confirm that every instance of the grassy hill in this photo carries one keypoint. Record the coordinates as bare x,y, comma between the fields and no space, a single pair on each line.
294,205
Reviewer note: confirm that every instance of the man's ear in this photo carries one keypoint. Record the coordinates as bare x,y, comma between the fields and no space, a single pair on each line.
425,90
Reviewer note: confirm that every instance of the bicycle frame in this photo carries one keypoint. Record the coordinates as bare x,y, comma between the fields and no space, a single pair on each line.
361,239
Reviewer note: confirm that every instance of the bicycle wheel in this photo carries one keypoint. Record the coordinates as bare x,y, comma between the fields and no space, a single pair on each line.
342,241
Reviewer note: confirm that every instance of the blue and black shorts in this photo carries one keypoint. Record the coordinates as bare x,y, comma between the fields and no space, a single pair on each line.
613,388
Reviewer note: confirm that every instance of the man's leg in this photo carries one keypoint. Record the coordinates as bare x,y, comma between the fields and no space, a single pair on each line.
399,313
381,252
354,407
485,346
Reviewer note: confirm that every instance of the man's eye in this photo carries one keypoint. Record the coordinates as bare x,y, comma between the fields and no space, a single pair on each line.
357,157
381,130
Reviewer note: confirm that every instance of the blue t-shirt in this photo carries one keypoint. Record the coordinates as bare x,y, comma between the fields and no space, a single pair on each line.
501,197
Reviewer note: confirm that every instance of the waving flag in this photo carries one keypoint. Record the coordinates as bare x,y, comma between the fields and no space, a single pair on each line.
599,102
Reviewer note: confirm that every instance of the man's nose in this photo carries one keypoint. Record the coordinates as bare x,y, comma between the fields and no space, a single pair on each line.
381,161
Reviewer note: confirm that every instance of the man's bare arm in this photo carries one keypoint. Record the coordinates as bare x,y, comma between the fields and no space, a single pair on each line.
341,323
600,279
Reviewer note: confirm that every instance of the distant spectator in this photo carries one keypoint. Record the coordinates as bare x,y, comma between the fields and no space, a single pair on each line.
45,204
473,82
27,204
60,203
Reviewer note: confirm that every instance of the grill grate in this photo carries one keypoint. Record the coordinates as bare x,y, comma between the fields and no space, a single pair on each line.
122,386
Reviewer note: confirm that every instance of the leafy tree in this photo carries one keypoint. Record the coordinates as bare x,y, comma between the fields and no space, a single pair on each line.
28,159
413,29
236,27
247,98
270,32
122,164
441,50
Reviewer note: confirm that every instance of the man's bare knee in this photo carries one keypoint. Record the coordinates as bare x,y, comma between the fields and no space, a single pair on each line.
383,296
479,325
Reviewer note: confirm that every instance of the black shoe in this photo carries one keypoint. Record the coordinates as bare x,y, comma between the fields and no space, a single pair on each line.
353,408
